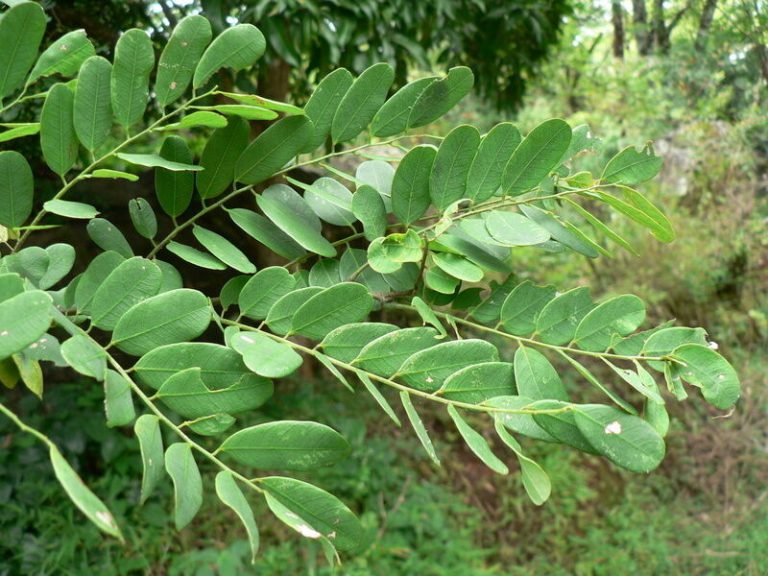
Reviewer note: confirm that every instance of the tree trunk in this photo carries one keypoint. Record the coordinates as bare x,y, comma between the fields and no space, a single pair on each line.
643,37
617,16
705,23
660,30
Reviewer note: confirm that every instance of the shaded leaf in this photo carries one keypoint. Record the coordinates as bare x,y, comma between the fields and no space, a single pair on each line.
187,483
448,178
64,56
410,186
236,48
92,105
485,173
537,155
418,427
16,189
175,316
219,157
21,31
58,141
477,443
231,496
322,105
180,58
361,102
333,307
133,63
440,96
147,430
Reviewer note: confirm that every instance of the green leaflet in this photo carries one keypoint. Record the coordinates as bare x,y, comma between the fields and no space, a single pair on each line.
440,281
231,496
313,513
535,377
180,57
230,292
325,273
16,189
620,315
448,178
630,167
392,117
637,208
361,102
219,157
478,383
487,168
263,289
378,175
386,354
273,149
85,356
535,480
81,496
20,131
174,188
103,233
418,427
291,214
562,231
133,63
21,330
220,367
114,175
440,96
224,250
705,368
522,307
255,100
627,441
428,369
118,402
557,321
281,314
519,423
264,231
589,377
133,281
212,425
458,267
195,119
57,131
242,111
663,341
562,426
331,201
235,48
98,270
369,208
158,161
477,443
187,394
513,229
195,256
10,285
68,209
537,155
187,483
92,106
287,445
61,258
265,356
410,186
322,105
428,316
388,254
143,217
345,342
175,316
333,307
64,56
21,31
378,396
147,430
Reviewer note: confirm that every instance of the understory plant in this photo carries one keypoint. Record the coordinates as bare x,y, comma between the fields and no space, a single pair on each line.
398,278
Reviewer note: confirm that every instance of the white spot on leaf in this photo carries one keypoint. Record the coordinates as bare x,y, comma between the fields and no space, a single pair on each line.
613,428
305,530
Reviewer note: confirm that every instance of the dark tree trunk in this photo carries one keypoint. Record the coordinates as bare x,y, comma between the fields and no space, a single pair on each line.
705,23
660,30
617,16
643,36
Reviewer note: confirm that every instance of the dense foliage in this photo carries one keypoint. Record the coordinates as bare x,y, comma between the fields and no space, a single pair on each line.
406,283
